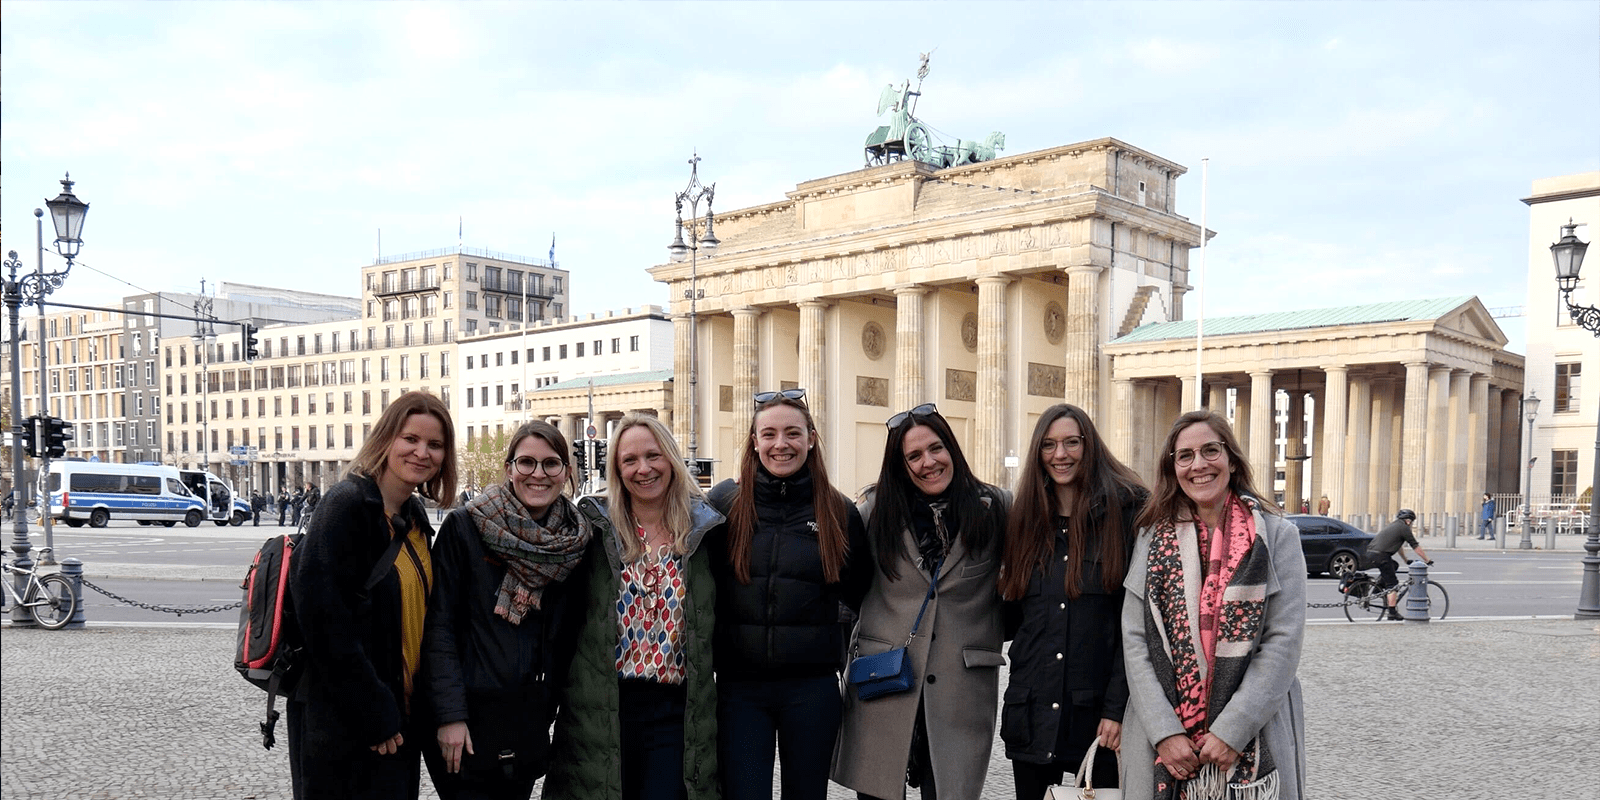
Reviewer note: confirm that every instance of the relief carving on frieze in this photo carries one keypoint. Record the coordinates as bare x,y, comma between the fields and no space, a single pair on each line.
1047,380
872,391
960,384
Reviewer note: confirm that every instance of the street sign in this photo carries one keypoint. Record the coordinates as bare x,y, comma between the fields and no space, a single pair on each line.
590,432
239,462
252,452
238,450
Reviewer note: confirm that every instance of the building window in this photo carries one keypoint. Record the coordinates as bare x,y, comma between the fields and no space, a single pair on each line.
616,345
444,363
469,398
599,347
422,366
349,436
633,344
405,368
563,351
484,396
1563,473
514,355
472,299
499,359
366,402
547,352
1568,384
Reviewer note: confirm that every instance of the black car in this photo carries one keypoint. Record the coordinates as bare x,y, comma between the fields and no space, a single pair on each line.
1332,547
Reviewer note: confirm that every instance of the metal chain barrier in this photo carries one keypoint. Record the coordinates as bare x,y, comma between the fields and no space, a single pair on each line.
179,610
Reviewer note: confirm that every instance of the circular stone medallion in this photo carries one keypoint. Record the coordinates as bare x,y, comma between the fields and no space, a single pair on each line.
872,340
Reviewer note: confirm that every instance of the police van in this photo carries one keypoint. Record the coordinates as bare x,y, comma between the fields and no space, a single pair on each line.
94,492
222,505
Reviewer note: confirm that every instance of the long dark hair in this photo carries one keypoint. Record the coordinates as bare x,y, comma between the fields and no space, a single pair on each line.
1105,484
827,505
1168,502
891,511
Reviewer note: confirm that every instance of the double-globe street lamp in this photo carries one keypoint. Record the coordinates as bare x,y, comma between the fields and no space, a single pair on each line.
66,213
680,252
1567,253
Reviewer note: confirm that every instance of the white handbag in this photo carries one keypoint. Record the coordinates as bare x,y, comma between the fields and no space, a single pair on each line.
1082,787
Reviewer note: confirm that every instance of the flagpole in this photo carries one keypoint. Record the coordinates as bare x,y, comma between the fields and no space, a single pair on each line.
1200,297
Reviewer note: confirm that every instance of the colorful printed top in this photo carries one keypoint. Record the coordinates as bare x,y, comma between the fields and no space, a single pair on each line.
650,618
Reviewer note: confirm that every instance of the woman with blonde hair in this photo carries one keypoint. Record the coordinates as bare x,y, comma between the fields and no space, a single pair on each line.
641,684
1213,621
360,584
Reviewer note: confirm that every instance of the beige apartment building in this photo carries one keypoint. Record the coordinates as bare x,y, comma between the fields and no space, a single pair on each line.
84,379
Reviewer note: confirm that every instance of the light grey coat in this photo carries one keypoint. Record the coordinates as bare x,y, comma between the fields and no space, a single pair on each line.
956,659
1267,702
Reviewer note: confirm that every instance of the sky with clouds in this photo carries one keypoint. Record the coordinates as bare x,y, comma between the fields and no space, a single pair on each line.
1358,151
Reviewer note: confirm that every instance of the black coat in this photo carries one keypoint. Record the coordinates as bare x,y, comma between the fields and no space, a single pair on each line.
353,686
503,679
786,621
1066,655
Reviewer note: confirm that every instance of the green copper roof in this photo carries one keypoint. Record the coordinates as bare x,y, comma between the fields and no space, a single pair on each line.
614,379
1393,311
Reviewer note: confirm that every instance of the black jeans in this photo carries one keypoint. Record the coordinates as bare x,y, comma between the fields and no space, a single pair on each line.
652,740
801,713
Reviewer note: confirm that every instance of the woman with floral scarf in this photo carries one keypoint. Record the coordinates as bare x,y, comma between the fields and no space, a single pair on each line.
500,632
1213,620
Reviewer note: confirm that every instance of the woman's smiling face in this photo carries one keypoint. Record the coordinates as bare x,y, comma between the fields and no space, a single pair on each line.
927,460
782,440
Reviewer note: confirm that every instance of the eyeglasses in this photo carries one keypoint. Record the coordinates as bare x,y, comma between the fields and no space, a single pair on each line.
924,410
1071,444
763,398
552,466
1210,451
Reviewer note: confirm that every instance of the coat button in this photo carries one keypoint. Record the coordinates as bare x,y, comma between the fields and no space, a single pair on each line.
1063,558
933,679
1063,606
1059,656
1055,706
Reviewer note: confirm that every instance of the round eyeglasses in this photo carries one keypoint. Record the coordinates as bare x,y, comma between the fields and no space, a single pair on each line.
1210,451
552,466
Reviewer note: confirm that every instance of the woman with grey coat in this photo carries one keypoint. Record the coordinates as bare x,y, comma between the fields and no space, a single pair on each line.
929,520
1213,621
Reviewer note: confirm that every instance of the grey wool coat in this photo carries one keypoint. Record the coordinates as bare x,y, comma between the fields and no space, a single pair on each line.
1268,701
956,659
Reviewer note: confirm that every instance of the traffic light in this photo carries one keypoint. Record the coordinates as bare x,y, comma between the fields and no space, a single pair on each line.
57,433
30,436
600,457
580,455
252,344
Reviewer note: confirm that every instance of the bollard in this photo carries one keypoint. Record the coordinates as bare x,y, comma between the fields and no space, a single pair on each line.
1503,525
21,615
72,570
1550,535
1450,532
1416,603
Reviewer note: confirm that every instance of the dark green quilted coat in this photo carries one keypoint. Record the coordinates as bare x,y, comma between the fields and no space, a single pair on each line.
585,762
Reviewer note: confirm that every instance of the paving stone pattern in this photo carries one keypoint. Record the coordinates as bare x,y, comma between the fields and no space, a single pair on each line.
1466,710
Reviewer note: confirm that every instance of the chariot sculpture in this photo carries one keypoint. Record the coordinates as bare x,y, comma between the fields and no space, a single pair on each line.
907,137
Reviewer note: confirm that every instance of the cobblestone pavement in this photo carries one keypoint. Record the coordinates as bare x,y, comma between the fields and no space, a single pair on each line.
1461,710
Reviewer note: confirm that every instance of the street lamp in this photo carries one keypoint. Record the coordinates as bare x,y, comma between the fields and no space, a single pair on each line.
680,251
1567,253
1530,407
67,213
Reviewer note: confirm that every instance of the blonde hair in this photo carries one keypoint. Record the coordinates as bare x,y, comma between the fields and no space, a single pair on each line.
680,491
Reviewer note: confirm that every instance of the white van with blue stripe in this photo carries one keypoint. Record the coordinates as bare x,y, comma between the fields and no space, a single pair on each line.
96,493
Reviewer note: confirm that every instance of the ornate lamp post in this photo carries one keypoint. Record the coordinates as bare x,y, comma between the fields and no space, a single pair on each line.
679,251
67,213
1530,408
1567,253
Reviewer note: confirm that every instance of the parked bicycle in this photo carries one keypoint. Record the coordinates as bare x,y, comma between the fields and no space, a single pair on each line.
1364,599
48,597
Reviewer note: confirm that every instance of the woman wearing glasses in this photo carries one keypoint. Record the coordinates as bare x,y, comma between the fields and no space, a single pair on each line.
499,633
795,549
1213,621
1068,538
641,684
929,521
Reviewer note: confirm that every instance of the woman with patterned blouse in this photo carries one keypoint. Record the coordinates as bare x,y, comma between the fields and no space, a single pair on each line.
639,717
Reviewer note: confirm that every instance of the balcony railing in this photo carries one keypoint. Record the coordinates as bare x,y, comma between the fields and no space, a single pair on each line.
400,287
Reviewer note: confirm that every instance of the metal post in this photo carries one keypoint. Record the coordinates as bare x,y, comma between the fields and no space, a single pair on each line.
20,616
1589,595
1527,494
48,556
694,343
1416,605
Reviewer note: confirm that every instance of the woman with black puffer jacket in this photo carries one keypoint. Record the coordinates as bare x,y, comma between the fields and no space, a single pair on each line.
795,550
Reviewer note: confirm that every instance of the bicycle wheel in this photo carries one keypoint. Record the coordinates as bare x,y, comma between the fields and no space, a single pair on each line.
1364,602
1438,600
52,602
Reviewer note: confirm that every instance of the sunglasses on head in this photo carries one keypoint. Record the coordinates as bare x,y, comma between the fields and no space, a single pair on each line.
924,410
763,398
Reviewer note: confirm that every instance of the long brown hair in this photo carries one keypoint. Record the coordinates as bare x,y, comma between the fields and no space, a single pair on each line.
827,505
1168,502
1106,486
373,459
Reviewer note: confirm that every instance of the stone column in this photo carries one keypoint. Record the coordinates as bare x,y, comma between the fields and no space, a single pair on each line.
572,426
1219,398
813,353
1459,497
682,347
1437,454
1335,420
1491,454
1241,418
1318,412
989,455
1294,445
1082,339
744,367
1261,423
1149,434
1186,401
1382,430
1478,443
910,389
1414,437
1511,441
1358,455
1127,427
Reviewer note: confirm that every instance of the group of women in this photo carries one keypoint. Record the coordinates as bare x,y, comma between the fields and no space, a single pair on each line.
678,640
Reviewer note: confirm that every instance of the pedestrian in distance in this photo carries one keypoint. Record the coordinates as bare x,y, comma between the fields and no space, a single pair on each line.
501,628
641,683
1323,505
298,502
257,503
1385,546
794,549
283,506
1486,530
1213,622
1068,540
313,495
930,521
357,717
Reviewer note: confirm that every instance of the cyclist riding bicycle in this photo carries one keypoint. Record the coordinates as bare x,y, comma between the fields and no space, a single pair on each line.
1383,549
